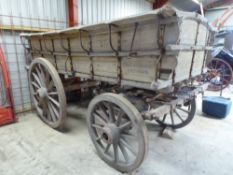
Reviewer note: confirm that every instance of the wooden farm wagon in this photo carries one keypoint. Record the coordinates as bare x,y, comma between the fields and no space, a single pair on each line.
138,68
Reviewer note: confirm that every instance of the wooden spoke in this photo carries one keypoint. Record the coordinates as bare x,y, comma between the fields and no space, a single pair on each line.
97,126
116,154
124,152
127,134
103,112
53,93
50,85
49,116
38,73
52,112
124,143
186,111
172,118
111,112
98,138
178,115
119,117
36,78
42,75
126,125
44,107
107,148
164,117
100,118
35,85
54,101
47,79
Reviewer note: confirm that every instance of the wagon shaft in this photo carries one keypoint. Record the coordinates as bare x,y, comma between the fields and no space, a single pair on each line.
151,51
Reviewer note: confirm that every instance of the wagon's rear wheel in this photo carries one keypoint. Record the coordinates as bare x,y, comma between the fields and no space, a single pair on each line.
180,116
219,74
47,93
117,131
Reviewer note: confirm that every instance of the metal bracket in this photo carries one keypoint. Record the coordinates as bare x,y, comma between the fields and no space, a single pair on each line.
54,55
208,38
51,51
41,50
81,43
194,51
133,38
68,53
63,46
110,38
161,33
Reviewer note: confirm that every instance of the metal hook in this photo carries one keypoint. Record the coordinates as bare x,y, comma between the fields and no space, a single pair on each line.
110,38
63,46
81,43
134,34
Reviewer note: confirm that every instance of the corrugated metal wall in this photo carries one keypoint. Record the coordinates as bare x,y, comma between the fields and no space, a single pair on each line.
213,14
18,16
94,11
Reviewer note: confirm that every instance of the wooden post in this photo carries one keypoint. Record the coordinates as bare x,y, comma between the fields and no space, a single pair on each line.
73,12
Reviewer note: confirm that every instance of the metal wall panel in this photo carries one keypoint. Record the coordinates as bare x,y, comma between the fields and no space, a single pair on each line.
213,14
34,13
18,16
95,11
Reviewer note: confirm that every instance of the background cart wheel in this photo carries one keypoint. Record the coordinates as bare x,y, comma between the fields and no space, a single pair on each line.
117,131
219,74
180,116
47,93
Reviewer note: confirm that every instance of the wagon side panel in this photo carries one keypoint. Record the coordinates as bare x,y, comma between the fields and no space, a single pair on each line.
184,60
142,69
105,66
145,37
188,32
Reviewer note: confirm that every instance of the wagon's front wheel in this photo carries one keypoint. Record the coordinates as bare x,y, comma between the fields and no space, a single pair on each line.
47,93
117,131
179,116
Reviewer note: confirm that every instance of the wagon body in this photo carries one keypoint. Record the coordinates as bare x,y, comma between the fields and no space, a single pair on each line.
151,51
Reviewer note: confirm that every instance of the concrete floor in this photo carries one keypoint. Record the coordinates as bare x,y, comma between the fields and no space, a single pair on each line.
29,147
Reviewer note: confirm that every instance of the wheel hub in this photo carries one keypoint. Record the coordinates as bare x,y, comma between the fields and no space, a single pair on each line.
110,134
42,93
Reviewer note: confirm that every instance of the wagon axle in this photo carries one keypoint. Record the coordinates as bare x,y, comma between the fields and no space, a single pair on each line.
111,134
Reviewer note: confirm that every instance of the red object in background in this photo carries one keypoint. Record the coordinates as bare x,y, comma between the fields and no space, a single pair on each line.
73,12
159,3
6,102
